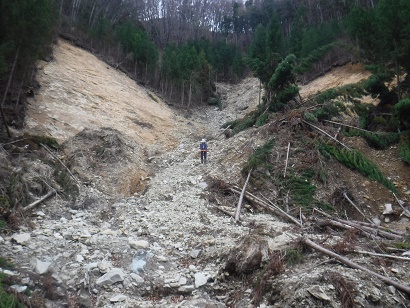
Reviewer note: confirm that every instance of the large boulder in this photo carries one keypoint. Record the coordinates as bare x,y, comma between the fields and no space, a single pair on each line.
248,255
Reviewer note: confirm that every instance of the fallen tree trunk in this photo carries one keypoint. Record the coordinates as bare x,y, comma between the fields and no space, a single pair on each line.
238,209
398,286
45,197
381,255
333,223
272,208
356,207
371,230
326,134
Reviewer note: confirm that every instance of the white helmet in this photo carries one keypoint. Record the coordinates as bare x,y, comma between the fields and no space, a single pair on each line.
203,140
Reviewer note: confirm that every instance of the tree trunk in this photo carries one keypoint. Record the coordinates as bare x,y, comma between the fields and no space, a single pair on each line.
7,89
352,264
238,209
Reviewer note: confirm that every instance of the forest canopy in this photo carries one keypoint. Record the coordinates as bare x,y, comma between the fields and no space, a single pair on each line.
181,48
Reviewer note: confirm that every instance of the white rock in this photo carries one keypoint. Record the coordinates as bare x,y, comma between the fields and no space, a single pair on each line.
41,267
195,253
85,234
138,244
104,266
22,238
79,258
318,292
376,221
112,276
118,298
391,289
200,279
18,288
137,278
388,209
186,289
182,281
162,259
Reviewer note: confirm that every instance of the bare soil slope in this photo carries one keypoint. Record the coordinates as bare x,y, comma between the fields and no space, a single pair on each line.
78,92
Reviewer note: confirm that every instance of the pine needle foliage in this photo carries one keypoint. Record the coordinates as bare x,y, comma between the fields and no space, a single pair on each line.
349,92
260,158
405,148
302,190
7,300
355,160
376,140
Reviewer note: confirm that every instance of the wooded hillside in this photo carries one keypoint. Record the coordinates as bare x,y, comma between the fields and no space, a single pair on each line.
181,48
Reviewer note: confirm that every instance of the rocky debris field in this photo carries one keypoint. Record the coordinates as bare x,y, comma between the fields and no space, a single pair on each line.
152,226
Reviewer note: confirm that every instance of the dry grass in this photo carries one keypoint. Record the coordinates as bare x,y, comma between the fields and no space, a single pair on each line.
347,244
345,289
275,267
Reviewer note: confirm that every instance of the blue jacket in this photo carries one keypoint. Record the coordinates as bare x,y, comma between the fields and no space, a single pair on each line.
203,146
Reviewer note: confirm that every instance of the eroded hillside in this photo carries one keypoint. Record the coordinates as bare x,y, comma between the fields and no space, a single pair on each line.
152,227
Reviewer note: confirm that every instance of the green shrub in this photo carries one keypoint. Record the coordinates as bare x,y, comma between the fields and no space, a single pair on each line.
7,300
293,256
300,189
215,101
262,120
402,112
260,158
357,161
327,111
46,140
405,148
63,179
310,117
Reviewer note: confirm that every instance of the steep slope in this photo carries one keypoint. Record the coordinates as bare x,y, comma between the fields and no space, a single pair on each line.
78,91
151,226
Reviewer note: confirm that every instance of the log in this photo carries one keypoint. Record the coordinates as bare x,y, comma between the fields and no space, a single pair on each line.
326,134
287,158
272,208
355,206
406,212
345,125
59,160
398,286
45,197
332,223
371,230
238,208
381,255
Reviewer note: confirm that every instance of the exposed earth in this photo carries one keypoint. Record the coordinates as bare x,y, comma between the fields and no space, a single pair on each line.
151,226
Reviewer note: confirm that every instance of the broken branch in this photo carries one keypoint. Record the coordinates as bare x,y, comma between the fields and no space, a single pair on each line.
355,206
45,197
238,209
326,134
287,158
352,264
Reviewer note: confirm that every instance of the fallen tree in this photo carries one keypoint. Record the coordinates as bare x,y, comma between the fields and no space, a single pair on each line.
397,285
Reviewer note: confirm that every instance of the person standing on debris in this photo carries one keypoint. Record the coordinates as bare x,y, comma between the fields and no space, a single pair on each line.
204,148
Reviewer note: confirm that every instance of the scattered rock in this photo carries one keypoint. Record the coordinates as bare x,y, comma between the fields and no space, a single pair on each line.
195,253
200,279
318,292
22,238
138,244
388,209
113,276
118,298
41,267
